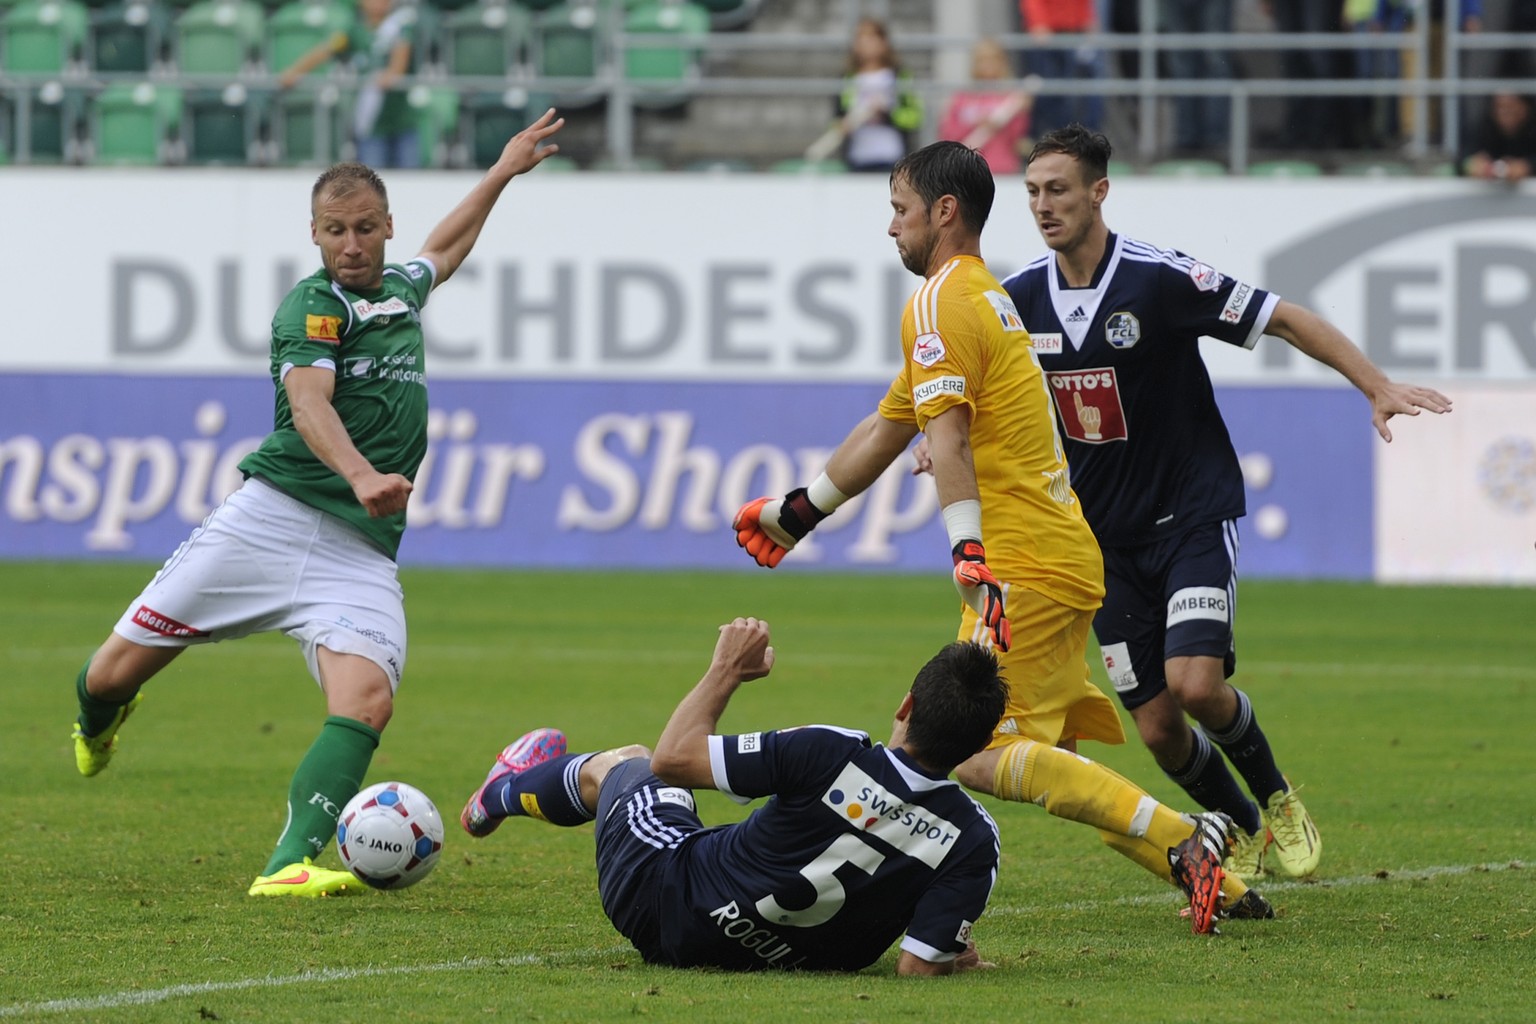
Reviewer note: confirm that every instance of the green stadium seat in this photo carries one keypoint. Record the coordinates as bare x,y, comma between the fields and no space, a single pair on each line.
570,41
53,129
437,123
1120,169
486,40
492,118
305,126
43,36
676,66
222,125
1284,169
132,36
136,123
1188,169
730,14
296,28
799,165
220,37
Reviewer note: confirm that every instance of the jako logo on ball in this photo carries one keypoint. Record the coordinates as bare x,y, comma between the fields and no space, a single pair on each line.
390,835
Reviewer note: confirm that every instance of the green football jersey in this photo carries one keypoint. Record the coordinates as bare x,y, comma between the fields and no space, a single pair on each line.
373,343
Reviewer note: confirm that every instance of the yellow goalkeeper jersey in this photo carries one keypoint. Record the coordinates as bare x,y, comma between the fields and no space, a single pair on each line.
965,344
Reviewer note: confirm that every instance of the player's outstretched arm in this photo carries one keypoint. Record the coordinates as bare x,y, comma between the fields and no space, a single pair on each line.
769,528
1310,334
450,242
742,653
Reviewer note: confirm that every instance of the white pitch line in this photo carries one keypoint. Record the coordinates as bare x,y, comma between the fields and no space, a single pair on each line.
148,997
159,995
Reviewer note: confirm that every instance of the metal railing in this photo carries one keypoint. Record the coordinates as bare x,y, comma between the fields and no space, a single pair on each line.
626,98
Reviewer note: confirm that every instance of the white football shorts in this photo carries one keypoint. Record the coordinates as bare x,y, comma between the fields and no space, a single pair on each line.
263,561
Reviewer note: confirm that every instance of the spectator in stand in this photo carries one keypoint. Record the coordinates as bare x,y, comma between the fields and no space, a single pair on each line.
379,46
996,124
1043,19
1375,125
1503,147
877,111
1311,122
1471,22
1199,122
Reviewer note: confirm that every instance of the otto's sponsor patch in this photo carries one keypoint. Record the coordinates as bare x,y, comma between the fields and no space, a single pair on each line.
1088,403
1046,344
927,349
749,743
929,389
1198,603
322,328
1207,279
1238,301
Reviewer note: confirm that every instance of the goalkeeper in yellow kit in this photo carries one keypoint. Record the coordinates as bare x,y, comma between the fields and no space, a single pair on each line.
1025,561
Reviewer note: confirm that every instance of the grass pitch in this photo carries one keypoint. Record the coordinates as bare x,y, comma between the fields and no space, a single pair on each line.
1406,713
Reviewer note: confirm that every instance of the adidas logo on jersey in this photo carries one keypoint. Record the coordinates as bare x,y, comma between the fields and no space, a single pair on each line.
1077,316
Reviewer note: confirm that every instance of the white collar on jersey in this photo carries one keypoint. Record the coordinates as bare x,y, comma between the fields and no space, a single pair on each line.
1076,308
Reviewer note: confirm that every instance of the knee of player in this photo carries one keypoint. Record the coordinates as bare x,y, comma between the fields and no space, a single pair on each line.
1199,685
977,771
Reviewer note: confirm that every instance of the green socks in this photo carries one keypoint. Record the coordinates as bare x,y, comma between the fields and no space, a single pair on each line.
330,775
95,714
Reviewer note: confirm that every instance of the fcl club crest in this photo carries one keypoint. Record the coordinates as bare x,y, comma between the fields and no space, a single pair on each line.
1122,330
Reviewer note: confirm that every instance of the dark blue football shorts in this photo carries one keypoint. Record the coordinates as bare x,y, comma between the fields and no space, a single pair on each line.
640,822
1169,599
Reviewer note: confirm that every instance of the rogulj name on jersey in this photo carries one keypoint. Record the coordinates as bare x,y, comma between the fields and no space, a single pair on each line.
751,934
930,389
914,830
399,367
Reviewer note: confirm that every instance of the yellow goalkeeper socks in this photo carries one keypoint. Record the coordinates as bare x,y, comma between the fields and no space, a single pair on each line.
1071,786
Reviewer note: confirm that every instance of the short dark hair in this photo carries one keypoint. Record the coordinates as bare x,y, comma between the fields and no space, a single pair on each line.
958,698
1091,149
950,169
345,178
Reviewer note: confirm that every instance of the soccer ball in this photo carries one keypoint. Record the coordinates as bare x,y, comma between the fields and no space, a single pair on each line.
390,835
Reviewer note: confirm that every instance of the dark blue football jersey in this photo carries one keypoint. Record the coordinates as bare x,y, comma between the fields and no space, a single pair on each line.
1149,452
855,847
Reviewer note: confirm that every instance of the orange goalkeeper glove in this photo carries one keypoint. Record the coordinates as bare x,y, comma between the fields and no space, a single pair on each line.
770,527
980,589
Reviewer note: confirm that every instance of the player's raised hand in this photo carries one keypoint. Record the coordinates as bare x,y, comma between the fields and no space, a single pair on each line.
1404,398
769,528
522,152
743,649
981,590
